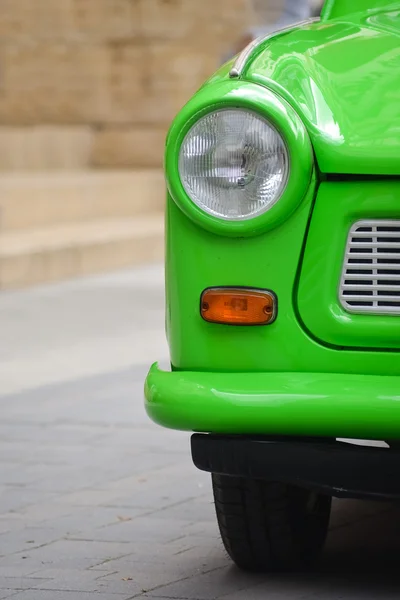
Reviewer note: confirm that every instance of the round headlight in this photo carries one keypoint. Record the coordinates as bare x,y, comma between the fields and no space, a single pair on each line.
233,164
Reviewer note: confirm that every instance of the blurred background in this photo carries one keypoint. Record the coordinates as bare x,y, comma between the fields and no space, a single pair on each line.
88,89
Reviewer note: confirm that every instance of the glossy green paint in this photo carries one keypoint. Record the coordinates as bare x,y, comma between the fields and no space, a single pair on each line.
197,259
306,373
333,9
338,206
312,404
342,77
229,94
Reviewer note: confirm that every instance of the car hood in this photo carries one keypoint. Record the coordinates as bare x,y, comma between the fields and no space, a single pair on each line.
343,78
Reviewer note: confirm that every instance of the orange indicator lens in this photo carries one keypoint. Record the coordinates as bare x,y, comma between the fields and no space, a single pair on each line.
238,306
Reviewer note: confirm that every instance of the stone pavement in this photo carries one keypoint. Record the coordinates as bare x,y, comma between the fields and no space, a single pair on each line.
96,502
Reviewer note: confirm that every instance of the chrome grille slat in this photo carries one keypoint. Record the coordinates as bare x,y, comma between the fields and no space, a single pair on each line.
371,297
365,288
362,276
368,245
389,310
376,254
367,267
370,281
387,234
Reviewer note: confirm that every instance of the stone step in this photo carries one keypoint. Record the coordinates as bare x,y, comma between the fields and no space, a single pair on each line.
71,250
39,200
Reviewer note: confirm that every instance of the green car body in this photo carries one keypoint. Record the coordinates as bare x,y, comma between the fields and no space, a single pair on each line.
331,87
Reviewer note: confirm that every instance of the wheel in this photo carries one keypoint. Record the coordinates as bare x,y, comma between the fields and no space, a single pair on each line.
267,526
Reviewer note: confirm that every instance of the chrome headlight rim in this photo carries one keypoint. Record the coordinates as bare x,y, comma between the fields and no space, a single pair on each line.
272,109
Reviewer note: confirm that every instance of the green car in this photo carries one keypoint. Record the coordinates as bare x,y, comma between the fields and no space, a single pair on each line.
283,280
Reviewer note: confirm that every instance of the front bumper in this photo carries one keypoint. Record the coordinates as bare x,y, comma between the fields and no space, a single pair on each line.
291,404
333,468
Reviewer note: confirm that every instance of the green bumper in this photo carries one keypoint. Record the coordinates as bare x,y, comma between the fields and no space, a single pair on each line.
306,404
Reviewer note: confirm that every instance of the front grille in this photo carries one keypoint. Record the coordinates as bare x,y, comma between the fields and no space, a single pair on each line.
370,281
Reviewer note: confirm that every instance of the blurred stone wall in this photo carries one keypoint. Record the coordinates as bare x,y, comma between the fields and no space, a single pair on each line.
95,83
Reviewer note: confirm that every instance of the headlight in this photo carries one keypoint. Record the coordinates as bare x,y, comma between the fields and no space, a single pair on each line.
233,164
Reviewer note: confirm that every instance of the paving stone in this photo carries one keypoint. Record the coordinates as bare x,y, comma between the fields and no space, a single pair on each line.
6,594
150,575
15,572
208,586
77,580
20,583
98,503
26,539
75,551
45,512
65,595
145,529
22,564
16,498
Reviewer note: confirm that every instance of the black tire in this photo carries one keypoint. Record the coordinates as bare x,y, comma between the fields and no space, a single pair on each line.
268,526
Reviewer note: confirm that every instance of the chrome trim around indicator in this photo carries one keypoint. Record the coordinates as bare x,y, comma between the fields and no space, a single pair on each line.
244,56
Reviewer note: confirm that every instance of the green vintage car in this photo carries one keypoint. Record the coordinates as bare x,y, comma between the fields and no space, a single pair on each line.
283,280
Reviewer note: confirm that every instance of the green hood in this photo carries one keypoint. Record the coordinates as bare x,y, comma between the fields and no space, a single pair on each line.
342,76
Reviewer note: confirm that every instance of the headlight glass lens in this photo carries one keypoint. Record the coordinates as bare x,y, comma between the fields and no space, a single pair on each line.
233,164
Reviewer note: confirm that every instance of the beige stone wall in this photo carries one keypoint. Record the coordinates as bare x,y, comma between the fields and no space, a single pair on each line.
95,83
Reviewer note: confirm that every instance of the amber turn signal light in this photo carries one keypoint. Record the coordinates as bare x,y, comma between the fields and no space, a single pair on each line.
238,306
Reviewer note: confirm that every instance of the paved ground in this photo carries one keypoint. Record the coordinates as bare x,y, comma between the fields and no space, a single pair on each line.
95,501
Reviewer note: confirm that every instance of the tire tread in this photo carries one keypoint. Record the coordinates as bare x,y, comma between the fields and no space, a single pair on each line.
256,524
